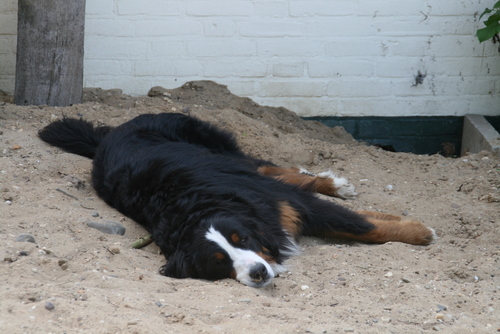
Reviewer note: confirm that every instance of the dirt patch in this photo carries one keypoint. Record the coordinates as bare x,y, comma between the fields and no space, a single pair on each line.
77,279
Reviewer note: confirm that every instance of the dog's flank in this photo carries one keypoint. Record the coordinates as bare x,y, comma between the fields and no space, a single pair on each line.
214,211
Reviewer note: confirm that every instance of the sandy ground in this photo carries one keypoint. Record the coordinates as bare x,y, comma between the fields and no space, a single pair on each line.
77,279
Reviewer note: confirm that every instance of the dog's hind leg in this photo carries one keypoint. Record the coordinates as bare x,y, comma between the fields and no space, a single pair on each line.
325,183
330,220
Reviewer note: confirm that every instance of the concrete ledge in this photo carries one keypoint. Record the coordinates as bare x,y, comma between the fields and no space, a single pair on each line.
479,135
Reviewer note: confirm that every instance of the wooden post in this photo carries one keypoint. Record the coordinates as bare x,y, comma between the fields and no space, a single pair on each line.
49,64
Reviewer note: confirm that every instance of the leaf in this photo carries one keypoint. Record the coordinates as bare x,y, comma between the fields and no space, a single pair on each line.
492,19
486,11
488,32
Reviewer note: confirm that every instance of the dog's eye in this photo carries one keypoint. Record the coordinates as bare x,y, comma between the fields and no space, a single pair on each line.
243,240
219,258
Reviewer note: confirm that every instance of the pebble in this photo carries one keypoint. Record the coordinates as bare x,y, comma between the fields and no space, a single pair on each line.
244,300
441,308
25,238
405,280
389,274
63,264
95,214
304,287
49,306
108,227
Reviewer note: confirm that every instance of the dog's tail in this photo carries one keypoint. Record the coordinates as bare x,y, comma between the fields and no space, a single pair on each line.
74,136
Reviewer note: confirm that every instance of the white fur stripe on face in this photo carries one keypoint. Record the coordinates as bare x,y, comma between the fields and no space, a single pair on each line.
243,260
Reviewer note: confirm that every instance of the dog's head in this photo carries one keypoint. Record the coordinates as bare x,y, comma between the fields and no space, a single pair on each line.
229,248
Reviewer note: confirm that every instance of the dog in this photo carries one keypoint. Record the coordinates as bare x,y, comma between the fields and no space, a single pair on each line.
214,211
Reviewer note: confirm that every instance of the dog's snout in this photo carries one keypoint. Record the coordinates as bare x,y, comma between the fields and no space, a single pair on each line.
258,272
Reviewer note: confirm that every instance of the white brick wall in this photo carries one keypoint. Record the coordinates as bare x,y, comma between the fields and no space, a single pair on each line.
316,57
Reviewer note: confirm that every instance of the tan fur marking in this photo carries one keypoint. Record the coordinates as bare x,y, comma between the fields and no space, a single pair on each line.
235,238
219,256
294,176
265,255
380,215
392,228
290,219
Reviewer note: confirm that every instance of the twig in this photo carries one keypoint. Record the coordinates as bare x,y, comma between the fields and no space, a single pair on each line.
142,242
67,194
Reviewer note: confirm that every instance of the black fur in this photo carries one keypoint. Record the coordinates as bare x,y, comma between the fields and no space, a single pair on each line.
177,176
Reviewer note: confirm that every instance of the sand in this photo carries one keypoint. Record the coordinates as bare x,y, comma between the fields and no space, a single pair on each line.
77,279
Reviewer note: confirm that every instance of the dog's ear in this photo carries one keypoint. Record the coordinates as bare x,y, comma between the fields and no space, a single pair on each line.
178,266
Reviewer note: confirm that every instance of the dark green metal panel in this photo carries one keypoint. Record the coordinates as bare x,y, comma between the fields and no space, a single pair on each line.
420,135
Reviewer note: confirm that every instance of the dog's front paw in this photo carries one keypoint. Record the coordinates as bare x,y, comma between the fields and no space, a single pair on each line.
343,188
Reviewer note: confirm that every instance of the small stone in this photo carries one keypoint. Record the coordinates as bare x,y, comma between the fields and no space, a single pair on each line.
49,306
108,227
389,187
25,238
389,274
244,300
405,280
115,250
304,287
441,308
15,147
440,316
63,264
349,330
95,214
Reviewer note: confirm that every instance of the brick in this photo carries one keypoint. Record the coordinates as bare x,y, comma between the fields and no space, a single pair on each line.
168,68
165,48
290,47
106,27
338,67
151,8
284,28
286,88
392,8
8,6
288,69
117,48
218,48
270,8
323,8
241,88
7,64
8,24
98,8
367,47
221,28
219,8
170,27
8,44
107,67
360,87
341,26
245,69
7,83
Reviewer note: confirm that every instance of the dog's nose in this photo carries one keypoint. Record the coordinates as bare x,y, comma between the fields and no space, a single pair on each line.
258,272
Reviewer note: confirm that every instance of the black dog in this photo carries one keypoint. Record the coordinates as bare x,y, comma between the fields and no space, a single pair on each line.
214,211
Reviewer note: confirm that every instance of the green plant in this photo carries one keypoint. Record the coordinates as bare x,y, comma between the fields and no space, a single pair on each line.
492,24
